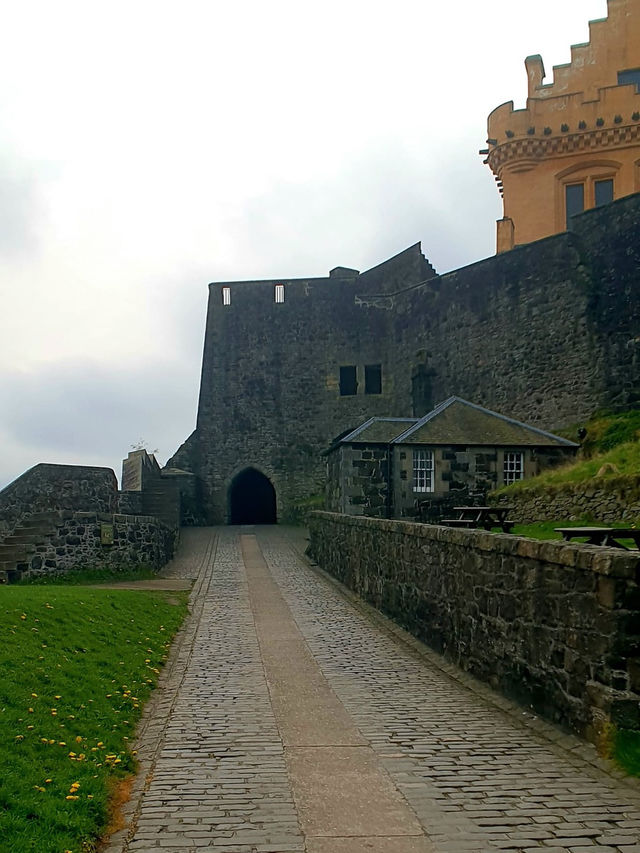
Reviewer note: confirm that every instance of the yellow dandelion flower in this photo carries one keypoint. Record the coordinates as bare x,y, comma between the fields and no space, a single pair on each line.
34,695
48,781
78,739
71,797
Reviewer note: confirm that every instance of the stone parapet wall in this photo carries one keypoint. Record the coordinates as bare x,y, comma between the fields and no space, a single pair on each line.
550,624
48,487
608,501
75,541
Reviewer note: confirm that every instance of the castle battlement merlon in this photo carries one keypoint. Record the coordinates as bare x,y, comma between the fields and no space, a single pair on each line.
581,130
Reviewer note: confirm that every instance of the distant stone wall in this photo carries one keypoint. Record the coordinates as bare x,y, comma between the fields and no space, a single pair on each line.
608,501
546,333
552,625
75,542
57,487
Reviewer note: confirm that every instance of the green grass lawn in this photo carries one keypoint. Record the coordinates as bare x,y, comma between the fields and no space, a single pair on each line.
626,750
76,667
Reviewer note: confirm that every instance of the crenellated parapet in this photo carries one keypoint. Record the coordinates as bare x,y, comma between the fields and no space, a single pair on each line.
580,130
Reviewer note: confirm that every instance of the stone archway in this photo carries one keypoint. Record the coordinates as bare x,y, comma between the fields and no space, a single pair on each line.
252,499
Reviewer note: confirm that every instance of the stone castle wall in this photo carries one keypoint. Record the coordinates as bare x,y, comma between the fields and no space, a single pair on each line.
546,333
48,487
604,501
550,624
74,542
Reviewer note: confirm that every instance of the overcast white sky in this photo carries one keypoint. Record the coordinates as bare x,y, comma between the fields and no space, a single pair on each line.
147,148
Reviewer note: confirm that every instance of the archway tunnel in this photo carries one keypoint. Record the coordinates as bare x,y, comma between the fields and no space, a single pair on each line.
252,499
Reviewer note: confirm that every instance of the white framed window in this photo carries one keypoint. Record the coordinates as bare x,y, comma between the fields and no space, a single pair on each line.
278,293
423,470
513,467
226,296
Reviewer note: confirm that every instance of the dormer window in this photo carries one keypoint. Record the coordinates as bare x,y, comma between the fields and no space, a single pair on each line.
226,296
278,293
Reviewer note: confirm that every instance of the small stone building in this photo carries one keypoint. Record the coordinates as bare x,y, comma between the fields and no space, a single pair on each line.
387,466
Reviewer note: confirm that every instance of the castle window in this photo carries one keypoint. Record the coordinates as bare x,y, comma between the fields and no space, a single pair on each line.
423,470
574,200
348,381
513,468
278,293
226,296
603,191
631,76
373,379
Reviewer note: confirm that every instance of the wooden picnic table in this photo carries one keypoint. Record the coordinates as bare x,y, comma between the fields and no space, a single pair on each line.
607,536
481,516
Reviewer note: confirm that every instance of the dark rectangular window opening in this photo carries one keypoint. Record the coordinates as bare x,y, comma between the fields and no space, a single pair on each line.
373,379
630,76
348,381
604,191
574,198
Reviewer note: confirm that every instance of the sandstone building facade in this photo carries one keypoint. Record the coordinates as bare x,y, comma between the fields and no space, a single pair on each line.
576,145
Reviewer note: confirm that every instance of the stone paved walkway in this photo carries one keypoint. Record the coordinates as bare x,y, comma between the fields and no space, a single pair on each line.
292,719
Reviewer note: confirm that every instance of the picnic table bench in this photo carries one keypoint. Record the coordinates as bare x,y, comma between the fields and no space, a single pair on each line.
485,517
607,536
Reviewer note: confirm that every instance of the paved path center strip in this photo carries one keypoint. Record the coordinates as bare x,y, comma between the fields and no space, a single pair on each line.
340,788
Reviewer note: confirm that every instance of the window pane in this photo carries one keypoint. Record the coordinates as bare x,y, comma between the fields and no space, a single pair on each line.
513,467
604,192
348,381
373,379
574,196
422,470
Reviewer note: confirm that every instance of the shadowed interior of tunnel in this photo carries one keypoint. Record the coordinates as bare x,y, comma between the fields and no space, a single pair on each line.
252,499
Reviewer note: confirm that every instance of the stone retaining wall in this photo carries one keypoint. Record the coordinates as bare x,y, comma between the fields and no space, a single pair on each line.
607,501
553,625
76,542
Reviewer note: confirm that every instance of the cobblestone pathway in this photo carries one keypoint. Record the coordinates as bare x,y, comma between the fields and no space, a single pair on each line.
290,720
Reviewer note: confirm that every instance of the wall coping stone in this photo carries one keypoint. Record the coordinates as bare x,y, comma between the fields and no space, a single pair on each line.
600,560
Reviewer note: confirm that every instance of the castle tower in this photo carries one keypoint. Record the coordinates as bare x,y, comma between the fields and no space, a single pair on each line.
576,145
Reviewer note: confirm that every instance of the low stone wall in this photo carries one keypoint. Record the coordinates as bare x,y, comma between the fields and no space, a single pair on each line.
603,500
89,540
57,487
552,625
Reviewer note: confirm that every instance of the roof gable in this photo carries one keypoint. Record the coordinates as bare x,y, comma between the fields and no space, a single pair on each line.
457,421
378,431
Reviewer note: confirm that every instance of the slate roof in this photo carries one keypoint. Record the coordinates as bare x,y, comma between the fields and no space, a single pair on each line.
457,421
378,431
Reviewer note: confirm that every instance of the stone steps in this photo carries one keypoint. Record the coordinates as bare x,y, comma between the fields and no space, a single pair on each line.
18,548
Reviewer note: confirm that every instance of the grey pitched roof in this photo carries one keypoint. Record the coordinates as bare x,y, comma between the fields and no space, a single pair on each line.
378,431
457,421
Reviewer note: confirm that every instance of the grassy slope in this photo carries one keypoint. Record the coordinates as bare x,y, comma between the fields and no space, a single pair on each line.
612,447
76,666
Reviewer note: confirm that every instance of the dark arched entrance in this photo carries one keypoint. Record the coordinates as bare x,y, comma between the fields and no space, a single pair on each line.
252,499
